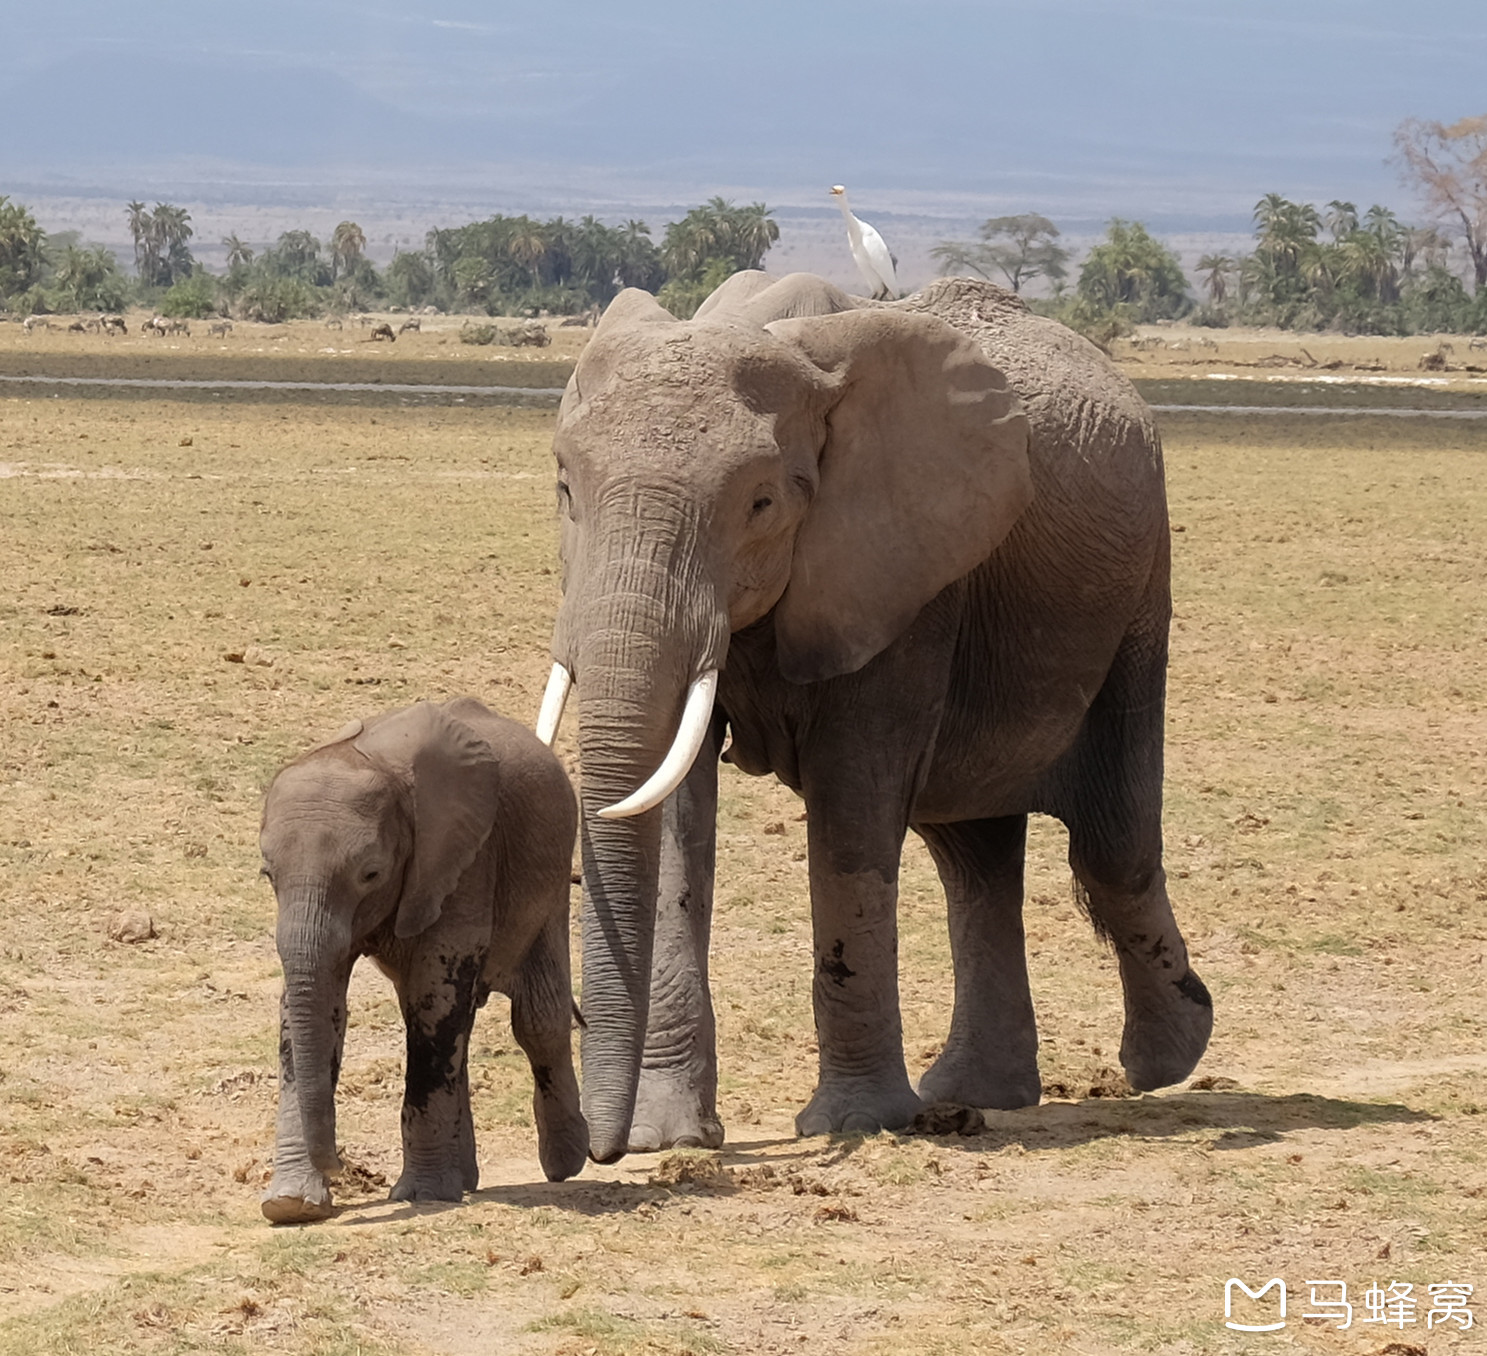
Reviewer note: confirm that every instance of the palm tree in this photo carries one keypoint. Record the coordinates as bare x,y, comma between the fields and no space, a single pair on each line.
239,255
167,256
22,249
527,247
1215,269
751,231
348,242
139,228
1341,218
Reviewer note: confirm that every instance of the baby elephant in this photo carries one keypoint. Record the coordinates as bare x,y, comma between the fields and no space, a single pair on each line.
438,840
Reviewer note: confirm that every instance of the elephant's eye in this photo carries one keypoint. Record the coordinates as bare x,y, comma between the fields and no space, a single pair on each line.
761,503
368,877
565,497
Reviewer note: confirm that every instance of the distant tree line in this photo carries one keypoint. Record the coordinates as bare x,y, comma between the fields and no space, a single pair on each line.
507,265
1329,268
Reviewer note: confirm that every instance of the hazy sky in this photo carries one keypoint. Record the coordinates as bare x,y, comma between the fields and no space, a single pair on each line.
1178,111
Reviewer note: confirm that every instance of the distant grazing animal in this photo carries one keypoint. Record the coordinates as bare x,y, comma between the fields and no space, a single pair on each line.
530,334
414,325
363,319
154,325
1477,343
35,322
869,251
77,327
177,327
384,331
333,324
219,328
114,324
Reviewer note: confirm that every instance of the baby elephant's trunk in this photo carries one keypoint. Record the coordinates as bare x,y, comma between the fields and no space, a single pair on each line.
315,984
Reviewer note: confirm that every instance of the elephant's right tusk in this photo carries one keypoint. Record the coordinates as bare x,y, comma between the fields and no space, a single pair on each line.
696,717
559,685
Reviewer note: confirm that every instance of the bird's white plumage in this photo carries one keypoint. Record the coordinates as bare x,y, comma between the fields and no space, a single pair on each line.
869,251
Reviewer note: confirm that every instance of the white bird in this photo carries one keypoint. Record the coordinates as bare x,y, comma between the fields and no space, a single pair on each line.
869,251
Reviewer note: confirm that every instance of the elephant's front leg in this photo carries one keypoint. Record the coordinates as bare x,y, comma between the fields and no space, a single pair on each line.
676,1104
440,992
299,1191
854,859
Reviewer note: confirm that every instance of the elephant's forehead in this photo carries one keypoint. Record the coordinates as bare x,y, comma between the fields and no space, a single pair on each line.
325,787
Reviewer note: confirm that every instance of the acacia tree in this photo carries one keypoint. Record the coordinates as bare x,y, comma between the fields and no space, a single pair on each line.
1020,248
1448,167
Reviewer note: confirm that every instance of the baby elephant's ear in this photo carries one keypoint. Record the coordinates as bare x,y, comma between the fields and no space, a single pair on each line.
455,779
923,472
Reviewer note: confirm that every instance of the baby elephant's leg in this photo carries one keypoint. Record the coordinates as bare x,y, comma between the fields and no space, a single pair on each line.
542,1021
299,1192
439,995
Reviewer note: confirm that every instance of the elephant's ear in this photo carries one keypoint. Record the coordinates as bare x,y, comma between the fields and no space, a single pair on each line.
923,472
454,776
349,730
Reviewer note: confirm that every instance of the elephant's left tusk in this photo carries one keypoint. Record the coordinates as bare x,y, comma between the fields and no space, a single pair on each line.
696,717
559,684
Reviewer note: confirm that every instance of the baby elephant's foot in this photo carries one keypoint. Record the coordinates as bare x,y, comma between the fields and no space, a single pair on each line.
673,1112
1167,1029
859,1106
441,1184
297,1197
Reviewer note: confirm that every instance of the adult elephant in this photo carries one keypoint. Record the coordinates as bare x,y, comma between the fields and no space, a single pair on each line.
920,551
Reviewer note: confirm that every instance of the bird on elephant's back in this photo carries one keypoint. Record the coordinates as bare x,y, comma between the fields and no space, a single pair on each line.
914,558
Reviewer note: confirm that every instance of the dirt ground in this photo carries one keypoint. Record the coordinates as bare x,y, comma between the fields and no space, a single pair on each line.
198,588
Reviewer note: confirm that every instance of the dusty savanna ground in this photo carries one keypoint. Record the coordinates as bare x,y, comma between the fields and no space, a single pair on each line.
179,617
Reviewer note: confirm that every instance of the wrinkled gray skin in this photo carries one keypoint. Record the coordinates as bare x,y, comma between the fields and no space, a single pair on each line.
438,840
927,544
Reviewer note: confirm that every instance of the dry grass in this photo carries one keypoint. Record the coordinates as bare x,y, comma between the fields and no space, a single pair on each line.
1325,832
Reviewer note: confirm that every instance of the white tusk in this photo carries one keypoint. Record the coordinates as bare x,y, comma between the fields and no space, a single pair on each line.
696,717
559,685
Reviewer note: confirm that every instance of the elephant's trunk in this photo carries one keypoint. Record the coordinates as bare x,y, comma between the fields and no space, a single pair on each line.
641,628
316,976
620,745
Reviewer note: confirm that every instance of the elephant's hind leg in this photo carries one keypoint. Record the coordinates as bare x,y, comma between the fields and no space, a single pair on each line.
676,1104
991,1056
1114,814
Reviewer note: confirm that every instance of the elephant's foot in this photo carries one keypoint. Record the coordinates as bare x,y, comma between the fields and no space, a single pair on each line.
859,1106
673,1112
297,1197
562,1145
1168,1024
976,1078
434,1184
